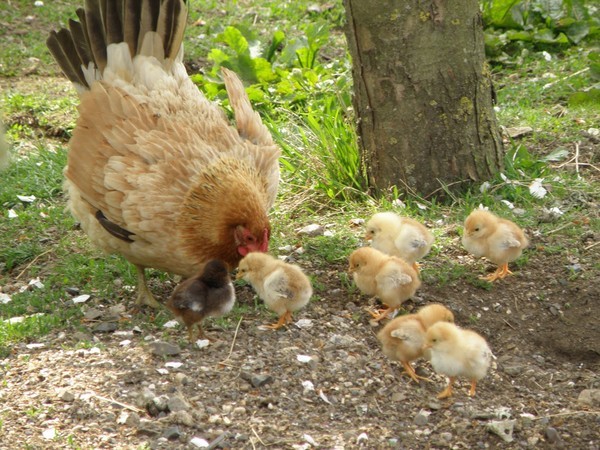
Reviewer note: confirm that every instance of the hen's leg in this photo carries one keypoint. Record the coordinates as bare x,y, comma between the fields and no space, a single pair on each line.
448,391
144,296
500,273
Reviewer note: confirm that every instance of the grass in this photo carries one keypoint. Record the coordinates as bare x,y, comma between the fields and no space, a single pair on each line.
308,110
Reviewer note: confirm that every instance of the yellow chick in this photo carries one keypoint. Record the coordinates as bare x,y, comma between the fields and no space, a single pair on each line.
433,313
283,287
403,338
391,279
456,352
499,240
399,236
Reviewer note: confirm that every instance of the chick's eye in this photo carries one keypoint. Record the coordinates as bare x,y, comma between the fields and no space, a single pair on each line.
476,228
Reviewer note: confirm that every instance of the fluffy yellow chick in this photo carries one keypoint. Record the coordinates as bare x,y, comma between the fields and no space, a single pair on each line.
456,352
283,287
403,338
391,279
499,240
433,313
399,236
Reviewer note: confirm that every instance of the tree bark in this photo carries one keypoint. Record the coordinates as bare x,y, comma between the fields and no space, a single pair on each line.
423,94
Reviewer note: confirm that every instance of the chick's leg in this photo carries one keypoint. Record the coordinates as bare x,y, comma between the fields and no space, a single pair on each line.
285,318
473,387
144,296
417,267
448,391
382,313
500,273
410,371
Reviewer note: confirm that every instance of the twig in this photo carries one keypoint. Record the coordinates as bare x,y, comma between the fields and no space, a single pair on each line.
560,228
257,436
567,413
233,342
579,72
33,261
507,323
577,158
591,245
110,400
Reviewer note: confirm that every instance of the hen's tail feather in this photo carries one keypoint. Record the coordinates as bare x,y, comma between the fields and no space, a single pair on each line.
105,22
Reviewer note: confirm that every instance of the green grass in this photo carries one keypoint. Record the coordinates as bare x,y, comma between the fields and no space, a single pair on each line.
309,112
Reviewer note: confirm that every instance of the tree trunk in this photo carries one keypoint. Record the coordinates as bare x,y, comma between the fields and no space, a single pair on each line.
423,94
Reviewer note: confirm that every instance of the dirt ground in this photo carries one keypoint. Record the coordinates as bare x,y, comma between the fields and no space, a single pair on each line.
323,381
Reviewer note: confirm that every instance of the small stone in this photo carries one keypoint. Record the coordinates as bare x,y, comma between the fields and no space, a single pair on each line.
446,436
552,435
177,403
256,380
148,428
199,442
92,314
161,402
312,230
180,418
182,378
502,428
435,405
72,290
239,411
105,327
67,396
589,397
131,419
171,433
422,418
160,348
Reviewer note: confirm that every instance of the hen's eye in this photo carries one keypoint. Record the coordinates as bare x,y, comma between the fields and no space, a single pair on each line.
250,239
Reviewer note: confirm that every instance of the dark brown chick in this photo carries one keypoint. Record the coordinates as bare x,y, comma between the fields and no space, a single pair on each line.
210,293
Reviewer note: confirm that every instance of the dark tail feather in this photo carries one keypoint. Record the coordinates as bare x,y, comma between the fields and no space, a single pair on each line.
104,22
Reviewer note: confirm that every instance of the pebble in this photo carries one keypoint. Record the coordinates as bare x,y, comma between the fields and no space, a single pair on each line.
589,397
552,435
148,427
172,433
161,402
182,378
160,348
312,230
105,327
177,403
256,380
502,428
67,396
422,418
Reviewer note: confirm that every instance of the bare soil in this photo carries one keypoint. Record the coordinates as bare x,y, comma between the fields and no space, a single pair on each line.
321,382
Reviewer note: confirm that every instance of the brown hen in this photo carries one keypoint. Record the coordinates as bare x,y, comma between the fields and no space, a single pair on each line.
155,171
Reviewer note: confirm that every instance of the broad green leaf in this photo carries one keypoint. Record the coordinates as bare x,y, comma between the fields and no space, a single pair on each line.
577,31
234,39
557,155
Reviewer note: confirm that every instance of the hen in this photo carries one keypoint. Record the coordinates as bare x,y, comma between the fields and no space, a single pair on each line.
283,287
399,236
499,240
210,293
391,279
155,171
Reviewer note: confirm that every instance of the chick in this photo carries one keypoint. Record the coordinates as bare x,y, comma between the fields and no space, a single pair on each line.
403,338
433,313
399,236
499,240
283,287
209,293
391,279
456,352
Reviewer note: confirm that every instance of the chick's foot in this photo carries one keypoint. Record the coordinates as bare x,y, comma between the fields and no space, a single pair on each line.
501,272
